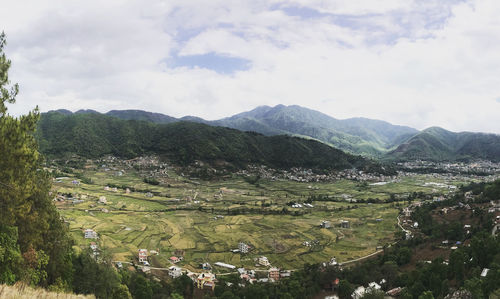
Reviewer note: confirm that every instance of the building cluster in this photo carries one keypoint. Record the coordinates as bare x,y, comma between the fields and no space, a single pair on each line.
308,175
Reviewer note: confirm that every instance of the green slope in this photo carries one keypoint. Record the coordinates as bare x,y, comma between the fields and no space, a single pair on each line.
437,144
356,135
94,135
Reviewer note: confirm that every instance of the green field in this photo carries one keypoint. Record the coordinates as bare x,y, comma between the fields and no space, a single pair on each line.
181,216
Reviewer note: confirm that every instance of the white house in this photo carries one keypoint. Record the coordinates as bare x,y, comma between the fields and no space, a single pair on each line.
103,200
90,234
358,293
224,265
174,271
143,255
264,261
325,224
243,247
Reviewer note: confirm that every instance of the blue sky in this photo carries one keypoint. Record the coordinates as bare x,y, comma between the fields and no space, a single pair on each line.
417,63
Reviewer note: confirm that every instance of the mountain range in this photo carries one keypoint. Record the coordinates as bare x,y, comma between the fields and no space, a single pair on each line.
93,135
368,137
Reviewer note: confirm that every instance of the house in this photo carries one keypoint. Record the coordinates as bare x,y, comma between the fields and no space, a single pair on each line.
285,273
274,274
127,191
143,255
103,200
206,281
106,188
241,271
358,293
224,265
93,246
174,272
174,259
332,285
75,182
484,272
394,292
407,212
243,247
415,225
90,234
206,266
325,224
374,286
263,261
344,224
333,262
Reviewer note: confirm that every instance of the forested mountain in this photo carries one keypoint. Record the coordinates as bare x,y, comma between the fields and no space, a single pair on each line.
368,137
142,115
355,135
94,135
439,144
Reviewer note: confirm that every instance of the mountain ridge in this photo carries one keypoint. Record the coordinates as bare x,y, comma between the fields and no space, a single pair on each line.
358,135
94,135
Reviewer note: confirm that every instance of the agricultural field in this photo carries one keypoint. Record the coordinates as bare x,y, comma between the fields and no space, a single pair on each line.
204,220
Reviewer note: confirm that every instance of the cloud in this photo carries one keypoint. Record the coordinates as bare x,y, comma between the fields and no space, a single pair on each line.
219,63
417,63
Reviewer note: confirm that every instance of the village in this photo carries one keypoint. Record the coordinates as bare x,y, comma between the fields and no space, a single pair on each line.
104,196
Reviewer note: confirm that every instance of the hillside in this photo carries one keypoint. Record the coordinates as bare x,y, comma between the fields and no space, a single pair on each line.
438,144
20,291
356,135
94,135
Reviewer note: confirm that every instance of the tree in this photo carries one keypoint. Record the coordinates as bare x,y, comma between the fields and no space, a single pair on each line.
24,194
345,289
10,255
426,295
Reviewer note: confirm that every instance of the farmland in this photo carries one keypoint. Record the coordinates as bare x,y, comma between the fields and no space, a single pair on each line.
204,220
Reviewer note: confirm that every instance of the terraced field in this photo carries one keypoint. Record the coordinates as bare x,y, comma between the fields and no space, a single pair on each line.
205,220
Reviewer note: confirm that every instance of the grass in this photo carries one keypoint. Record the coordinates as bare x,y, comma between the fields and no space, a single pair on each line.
21,291
182,217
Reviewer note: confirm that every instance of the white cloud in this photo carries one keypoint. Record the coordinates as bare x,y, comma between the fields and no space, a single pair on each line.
417,63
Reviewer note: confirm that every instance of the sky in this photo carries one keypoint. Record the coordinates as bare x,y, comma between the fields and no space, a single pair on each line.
418,63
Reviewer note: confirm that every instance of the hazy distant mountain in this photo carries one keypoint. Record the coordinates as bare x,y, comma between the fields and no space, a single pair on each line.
357,135
439,144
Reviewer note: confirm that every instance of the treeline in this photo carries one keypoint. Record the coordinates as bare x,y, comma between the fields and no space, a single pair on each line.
95,135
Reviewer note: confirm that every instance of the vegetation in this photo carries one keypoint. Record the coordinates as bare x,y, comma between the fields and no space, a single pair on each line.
21,291
436,144
94,135
35,247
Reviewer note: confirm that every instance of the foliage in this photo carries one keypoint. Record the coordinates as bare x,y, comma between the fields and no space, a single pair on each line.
437,144
25,207
94,135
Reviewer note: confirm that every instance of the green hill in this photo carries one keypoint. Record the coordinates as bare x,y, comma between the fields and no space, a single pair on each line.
356,135
93,135
438,144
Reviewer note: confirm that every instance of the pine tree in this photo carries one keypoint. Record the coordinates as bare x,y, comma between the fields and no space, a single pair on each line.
34,244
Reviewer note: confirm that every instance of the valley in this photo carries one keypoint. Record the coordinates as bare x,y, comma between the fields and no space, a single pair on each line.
145,203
